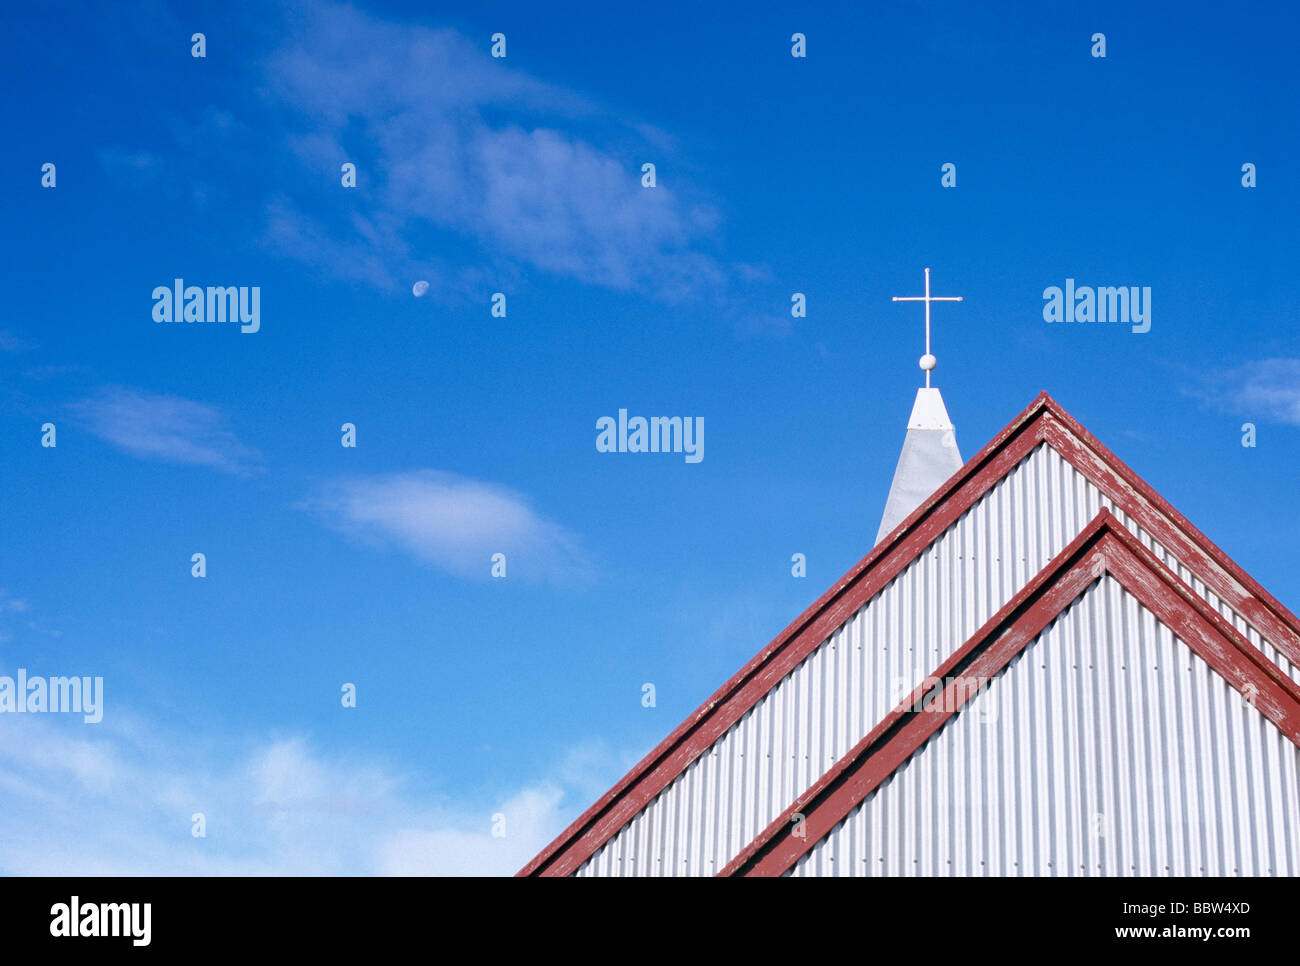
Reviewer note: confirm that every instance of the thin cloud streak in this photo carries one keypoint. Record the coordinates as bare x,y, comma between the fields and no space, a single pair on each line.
166,428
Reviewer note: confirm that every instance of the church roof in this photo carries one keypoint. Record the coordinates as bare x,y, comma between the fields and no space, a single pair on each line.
1104,549
804,703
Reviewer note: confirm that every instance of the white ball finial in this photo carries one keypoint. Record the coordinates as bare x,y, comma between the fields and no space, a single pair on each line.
928,362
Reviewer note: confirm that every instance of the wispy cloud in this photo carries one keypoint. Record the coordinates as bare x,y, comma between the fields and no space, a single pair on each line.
166,428
10,604
140,167
1266,390
454,523
11,341
282,806
46,372
447,138
532,816
359,252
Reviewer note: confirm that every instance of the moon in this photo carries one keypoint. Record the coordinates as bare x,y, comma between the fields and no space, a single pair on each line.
419,288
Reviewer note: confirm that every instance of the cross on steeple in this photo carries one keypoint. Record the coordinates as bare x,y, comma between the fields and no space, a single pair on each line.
928,361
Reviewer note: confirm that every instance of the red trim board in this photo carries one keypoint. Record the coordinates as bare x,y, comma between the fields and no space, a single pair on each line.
1105,545
1043,421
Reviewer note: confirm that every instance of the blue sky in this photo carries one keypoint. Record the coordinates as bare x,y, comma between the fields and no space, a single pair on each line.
775,175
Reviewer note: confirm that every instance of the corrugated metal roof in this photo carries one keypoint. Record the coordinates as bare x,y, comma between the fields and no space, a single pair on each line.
832,699
1106,748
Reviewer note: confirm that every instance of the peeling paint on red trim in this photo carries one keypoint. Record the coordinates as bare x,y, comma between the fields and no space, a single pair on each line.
1042,421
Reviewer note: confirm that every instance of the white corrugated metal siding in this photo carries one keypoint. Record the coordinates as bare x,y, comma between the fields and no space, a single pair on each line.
1106,748
828,703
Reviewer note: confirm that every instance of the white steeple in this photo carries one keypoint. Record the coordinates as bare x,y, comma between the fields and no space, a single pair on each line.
930,452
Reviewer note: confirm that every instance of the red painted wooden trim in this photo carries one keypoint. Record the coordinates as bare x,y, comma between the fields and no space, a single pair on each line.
1106,541
1043,420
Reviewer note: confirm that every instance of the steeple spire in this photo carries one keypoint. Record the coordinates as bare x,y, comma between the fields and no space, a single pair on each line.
930,452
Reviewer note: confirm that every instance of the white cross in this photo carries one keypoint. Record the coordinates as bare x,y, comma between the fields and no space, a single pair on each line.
928,361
